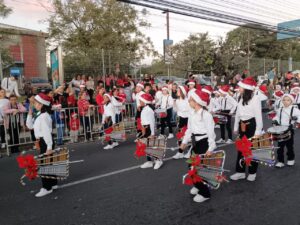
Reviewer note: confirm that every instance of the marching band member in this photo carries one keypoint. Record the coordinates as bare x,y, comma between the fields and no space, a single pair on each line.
286,116
139,91
182,107
109,118
237,93
228,107
166,103
215,102
42,126
262,92
191,84
278,102
201,132
248,121
296,91
148,127
117,102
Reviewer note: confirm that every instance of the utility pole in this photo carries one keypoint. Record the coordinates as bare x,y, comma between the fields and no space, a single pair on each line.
248,66
168,37
1,67
103,69
109,63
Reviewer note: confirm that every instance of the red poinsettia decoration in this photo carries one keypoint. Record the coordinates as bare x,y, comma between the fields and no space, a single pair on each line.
221,178
244,146
28,163
192,177
139,124
195,160
181,133
140,149
163,115
216,119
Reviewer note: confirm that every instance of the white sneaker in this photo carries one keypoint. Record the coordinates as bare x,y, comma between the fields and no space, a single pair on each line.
217,126
194,191
158,164
115,144
199,198
279,165
178,155
147,164
291,162
3,145
238,176
171,136
229,141
187,155
43,192
108,147
220,141
251,177
55,187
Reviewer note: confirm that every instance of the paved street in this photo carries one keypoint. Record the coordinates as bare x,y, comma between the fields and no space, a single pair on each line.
118,192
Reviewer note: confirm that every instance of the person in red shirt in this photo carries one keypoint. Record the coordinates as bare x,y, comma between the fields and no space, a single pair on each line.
84,113
71,100
74,127
100,102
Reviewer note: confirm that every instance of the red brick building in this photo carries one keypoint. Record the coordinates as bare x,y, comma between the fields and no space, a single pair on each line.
27,49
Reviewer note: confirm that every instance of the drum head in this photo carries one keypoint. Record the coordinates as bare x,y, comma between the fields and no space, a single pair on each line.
278,129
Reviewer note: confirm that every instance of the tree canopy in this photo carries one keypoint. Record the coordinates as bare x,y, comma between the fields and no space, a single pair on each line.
4,10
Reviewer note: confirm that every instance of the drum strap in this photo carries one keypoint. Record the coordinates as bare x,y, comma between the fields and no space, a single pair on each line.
225,103
291,115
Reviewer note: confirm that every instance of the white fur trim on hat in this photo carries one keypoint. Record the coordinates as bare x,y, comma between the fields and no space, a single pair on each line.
140,85
182,90
165,88
198,99
108,96
222,92
290,96
294,88
42,101
206,91
191,82
246,86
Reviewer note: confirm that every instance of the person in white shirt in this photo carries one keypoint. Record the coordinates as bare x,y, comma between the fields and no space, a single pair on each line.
76,82
236,94
90,87
166,103
42,126
192,87
10,85
296,91
136,97
262,92
183,109
3,102
228,107
118,105
286,116
215,102
148,128
201,132
109,119
248,122
278,101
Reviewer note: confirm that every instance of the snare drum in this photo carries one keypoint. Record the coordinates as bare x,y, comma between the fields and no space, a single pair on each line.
220,119
271,115
280,133
161,113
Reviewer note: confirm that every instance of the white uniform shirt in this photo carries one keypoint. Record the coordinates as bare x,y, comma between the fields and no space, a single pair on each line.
10,86
297,99
117,105
137,98
286,116
214,104
3,102
246,112
190,92
201,122
182,107
236,96
109,111
228,103
148,118
261,95
158,96
166,102
278,104
42,126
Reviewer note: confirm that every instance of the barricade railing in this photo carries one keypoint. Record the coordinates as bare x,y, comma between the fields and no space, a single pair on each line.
17,133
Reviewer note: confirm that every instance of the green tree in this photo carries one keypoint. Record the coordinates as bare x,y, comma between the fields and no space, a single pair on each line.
85,27
4,10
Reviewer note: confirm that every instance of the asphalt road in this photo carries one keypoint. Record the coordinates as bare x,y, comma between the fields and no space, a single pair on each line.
118,192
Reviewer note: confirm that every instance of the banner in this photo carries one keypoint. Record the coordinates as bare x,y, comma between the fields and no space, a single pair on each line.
54,68
289,29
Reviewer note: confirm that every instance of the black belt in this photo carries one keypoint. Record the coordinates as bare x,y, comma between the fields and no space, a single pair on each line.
193,137
247,121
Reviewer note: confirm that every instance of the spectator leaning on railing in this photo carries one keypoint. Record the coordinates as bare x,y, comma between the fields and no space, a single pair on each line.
3,102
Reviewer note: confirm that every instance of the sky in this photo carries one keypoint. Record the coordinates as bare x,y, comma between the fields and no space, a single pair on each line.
33,13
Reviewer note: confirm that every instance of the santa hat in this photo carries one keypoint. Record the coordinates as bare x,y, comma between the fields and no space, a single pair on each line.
140,84
290,96
216,92
278,87
224,89
263,88
278,94
295,88
248,83
165,88
146,98
43,99
183,89
120,83
237,88
208,89
191,82
202,98
107,95
82,86
198,87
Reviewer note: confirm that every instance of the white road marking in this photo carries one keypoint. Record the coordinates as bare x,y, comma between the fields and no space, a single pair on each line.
111,173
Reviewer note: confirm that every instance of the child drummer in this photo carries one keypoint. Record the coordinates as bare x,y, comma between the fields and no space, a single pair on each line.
286,116
148,125
201,132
